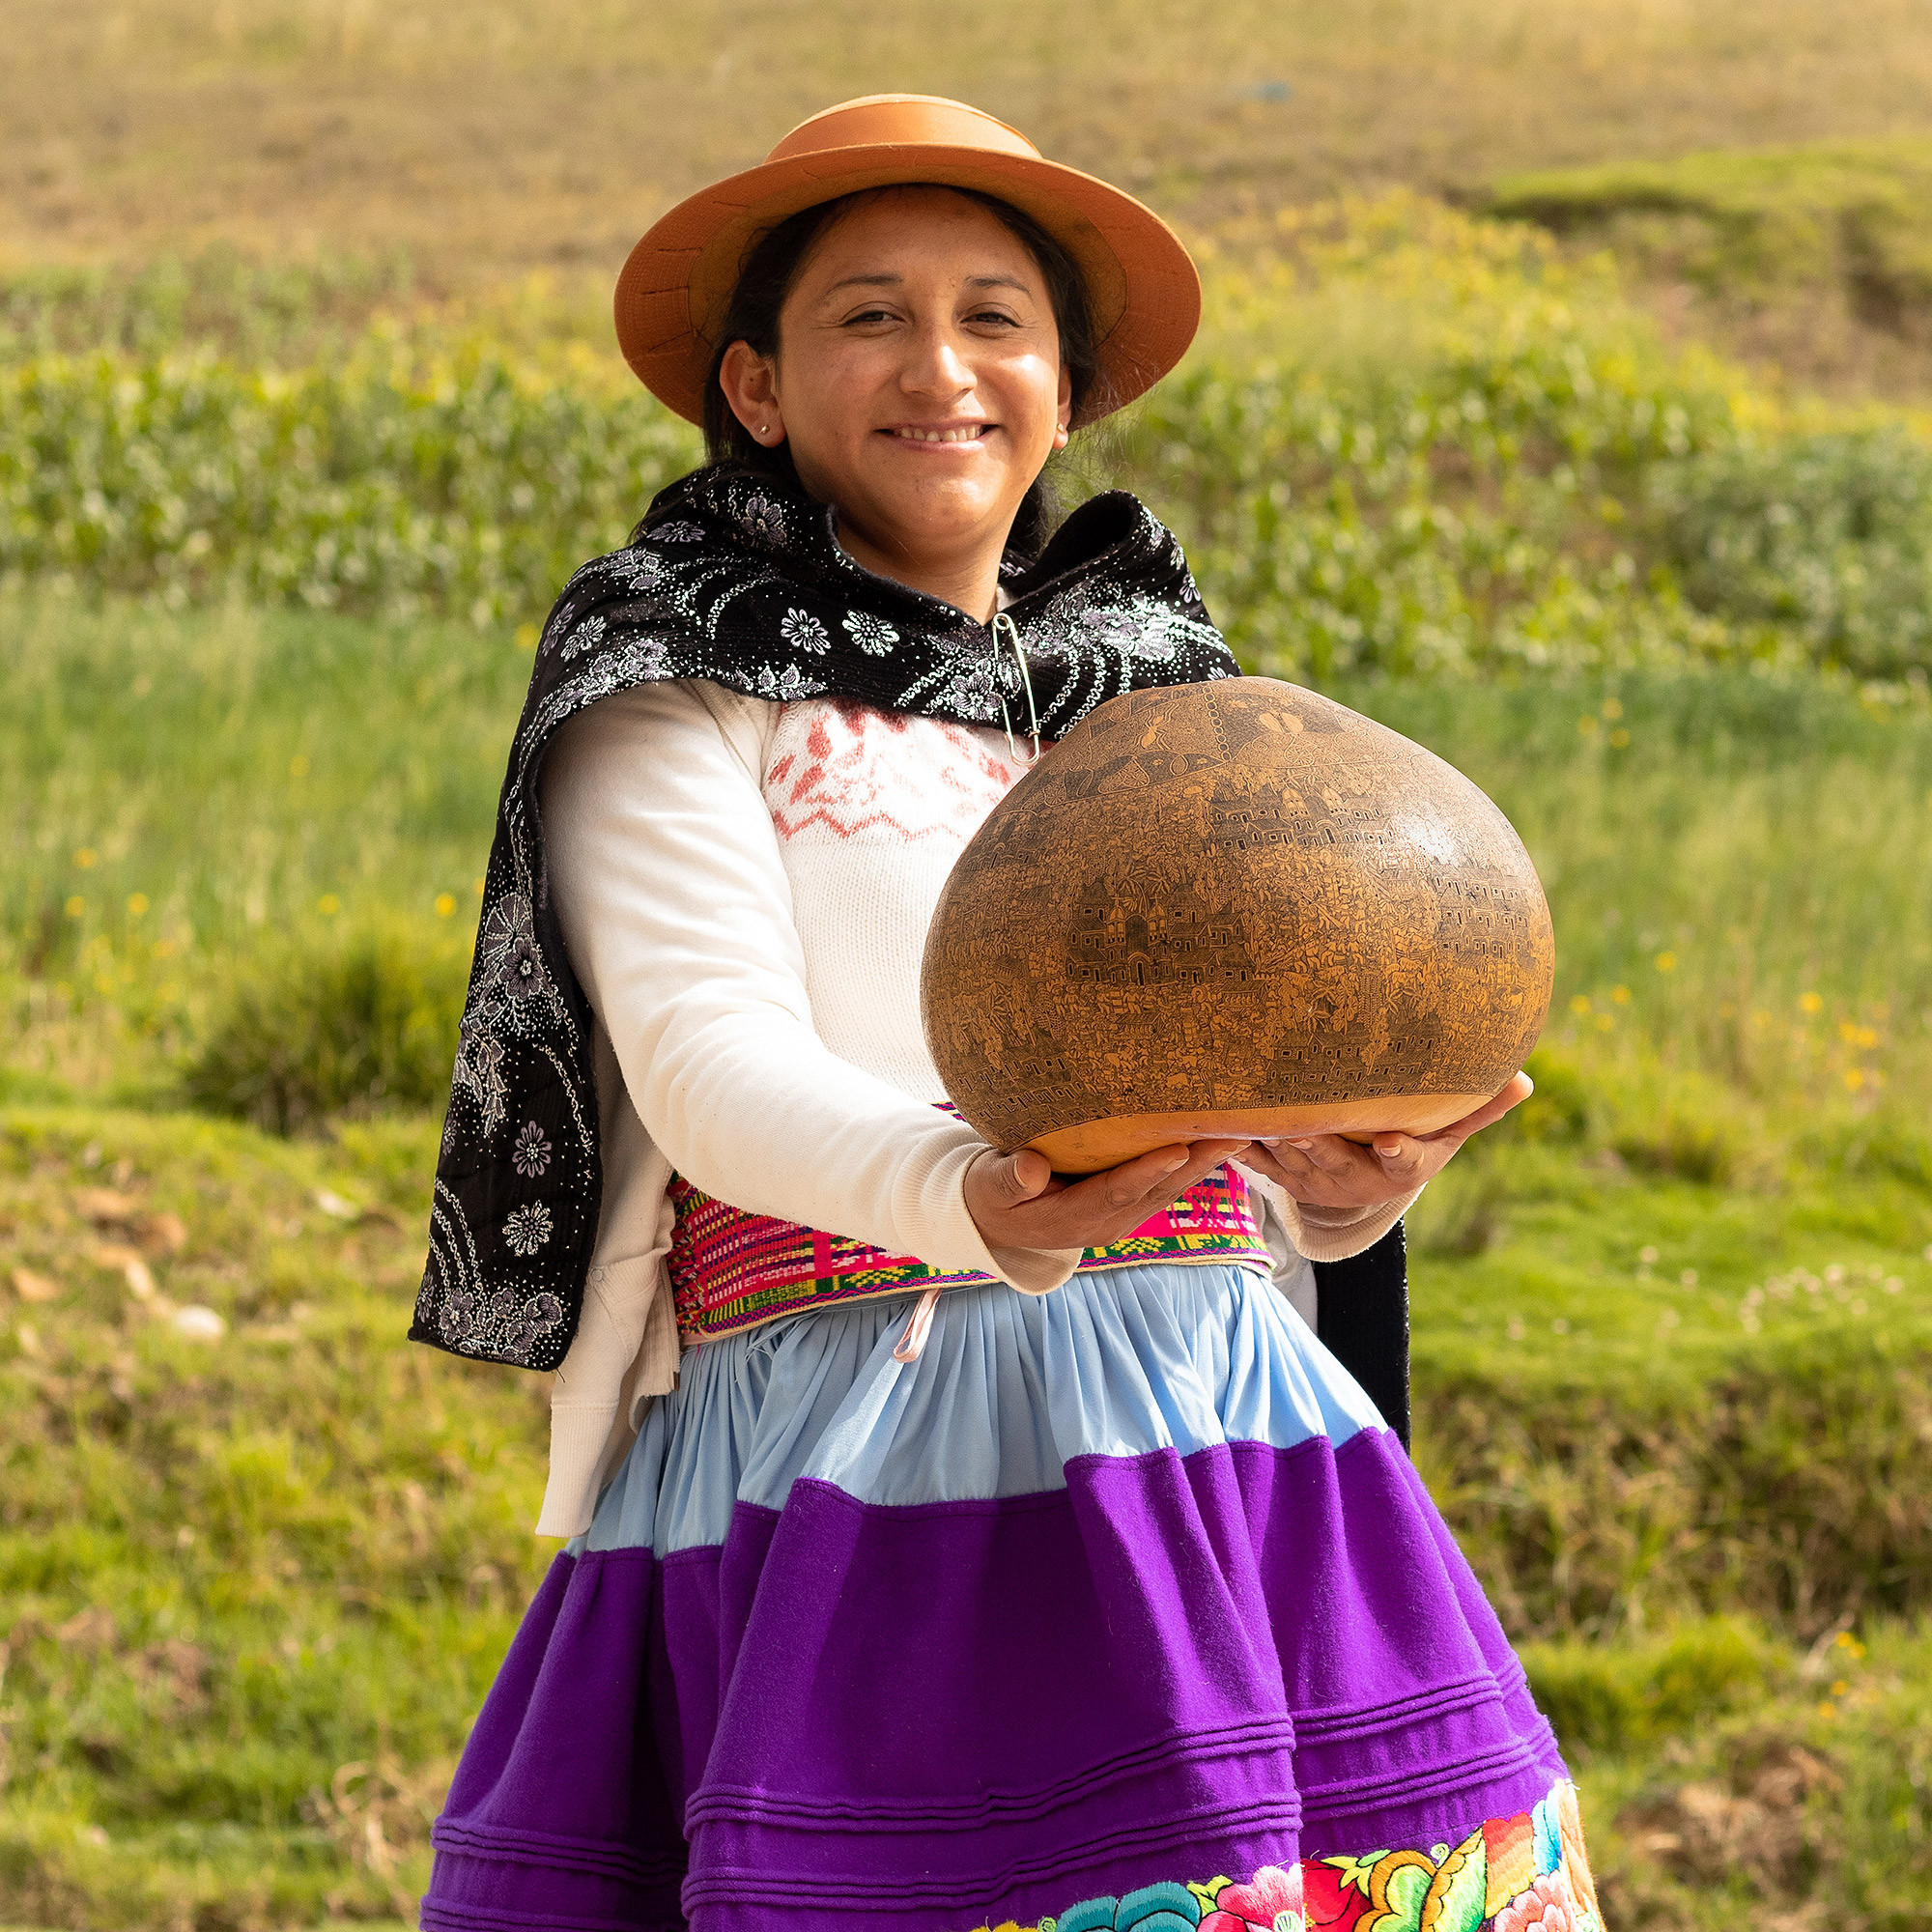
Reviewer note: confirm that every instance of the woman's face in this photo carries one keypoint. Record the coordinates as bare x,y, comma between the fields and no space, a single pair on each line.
918,376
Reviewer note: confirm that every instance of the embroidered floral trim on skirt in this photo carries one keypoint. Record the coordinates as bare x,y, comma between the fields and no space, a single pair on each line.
1112,1594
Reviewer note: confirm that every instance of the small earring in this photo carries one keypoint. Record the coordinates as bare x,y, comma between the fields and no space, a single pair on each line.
763,430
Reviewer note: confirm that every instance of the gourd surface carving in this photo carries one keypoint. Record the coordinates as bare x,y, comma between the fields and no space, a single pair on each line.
1232,904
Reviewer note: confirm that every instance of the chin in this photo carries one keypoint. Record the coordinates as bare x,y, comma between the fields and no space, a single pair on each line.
946,505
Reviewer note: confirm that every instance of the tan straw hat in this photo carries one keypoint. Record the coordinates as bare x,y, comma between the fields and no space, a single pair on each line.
677,284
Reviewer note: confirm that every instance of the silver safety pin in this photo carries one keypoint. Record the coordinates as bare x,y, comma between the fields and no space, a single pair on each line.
1025,680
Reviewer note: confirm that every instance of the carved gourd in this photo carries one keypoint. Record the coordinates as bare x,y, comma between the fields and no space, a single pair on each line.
1233,908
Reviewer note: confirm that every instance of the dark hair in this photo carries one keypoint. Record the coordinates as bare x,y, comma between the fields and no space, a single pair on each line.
771,267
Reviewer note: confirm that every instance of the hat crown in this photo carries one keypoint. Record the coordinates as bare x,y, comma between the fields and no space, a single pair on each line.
901,120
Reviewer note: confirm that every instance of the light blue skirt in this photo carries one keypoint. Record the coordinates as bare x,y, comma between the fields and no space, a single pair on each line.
1009,1390
1110,1595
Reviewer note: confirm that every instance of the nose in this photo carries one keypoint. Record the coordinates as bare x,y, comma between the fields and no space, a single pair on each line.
935,365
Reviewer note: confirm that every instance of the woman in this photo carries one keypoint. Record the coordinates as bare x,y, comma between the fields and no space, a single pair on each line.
1089,1591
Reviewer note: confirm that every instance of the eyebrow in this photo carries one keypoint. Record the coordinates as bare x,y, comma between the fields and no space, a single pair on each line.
888,279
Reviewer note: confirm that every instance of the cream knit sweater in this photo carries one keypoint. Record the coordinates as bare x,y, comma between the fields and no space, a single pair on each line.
745,889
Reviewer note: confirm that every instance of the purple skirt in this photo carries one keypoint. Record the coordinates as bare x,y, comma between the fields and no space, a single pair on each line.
1113,1593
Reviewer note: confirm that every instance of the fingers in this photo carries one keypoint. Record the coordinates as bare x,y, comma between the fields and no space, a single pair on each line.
1329,1153
1517,1089
1260,1158
1027,1175
1144,1186
1283,1163
1327,1171
1100,1207
998,1182
1402,1158
1325,1160
1134,1180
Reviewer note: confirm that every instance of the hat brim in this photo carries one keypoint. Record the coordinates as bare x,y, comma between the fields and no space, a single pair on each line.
678,281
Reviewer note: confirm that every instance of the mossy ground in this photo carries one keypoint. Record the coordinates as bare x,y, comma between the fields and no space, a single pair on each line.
256,1583
1752,221
255,1580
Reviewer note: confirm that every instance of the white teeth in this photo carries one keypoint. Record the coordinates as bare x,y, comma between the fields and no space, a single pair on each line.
969,435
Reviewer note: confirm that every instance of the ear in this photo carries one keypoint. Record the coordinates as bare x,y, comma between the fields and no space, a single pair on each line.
1064,428
750,382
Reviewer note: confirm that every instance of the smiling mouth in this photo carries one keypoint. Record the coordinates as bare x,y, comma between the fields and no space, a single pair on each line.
963,433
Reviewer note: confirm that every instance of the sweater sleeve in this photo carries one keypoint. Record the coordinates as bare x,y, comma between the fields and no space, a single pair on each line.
1327,1234
1333,1234
675,906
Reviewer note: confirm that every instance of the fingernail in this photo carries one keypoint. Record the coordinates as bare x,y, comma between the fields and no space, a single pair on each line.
1304,1144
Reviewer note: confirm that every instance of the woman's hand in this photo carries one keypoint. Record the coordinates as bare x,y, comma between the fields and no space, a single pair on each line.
1016,1201
1327,1171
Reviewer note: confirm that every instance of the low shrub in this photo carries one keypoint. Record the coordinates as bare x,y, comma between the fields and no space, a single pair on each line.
257,310
1412,444
1827,537
1808,1805
404,476
1892,1139
1845,214
1690,1145
364,1021
1558,1110
254,1588
1618,1698
1462,1211
1786,1482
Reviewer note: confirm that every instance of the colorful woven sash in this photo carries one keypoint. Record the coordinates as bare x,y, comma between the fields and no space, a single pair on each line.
731,1271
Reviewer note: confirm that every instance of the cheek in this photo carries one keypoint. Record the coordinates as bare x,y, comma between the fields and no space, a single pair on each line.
831,390
1028,386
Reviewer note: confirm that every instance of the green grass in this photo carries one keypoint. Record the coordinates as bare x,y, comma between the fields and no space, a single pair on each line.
234,1570
1852,215
1732,1779
1807,262
1732,861
254,1586
402,478
1410,444
1646,1400
480,138
1632,1461
184,792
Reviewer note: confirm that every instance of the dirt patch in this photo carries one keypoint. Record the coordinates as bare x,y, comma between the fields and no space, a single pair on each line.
1753,1824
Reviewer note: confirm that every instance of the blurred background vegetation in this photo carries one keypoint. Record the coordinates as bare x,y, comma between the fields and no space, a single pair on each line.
1563,403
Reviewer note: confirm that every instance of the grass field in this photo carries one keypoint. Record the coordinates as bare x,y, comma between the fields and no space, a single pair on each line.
256,1584
1563,403
447,145
1671,1329
469,132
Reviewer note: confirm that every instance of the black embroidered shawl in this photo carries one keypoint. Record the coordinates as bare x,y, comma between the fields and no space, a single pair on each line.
740,580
